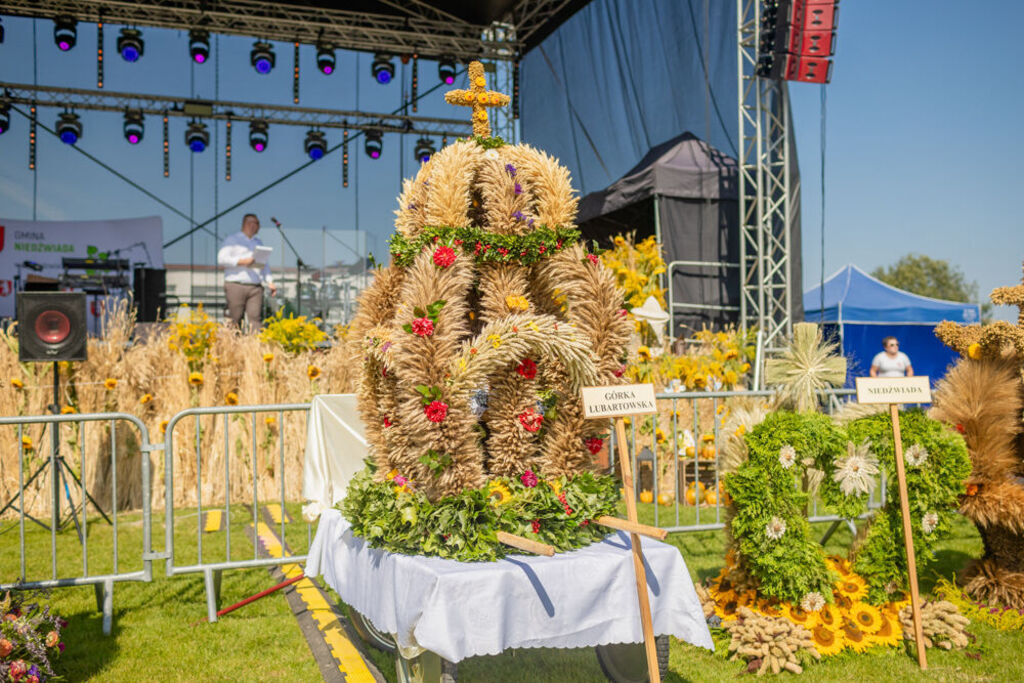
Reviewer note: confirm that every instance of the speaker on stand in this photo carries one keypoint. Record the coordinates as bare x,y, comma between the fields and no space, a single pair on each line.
150,289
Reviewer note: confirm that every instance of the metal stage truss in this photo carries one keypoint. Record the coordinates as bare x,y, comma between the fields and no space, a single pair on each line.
159,105
768,195
399,27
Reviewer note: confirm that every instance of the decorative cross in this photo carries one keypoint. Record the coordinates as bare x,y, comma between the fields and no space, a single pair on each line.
478,97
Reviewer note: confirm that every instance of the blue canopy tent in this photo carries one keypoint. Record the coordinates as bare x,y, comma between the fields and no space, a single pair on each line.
859,311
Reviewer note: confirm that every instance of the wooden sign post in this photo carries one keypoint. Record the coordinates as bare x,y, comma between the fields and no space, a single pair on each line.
894,391
618,401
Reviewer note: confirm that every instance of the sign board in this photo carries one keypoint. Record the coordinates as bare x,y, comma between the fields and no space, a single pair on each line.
616,401
894,389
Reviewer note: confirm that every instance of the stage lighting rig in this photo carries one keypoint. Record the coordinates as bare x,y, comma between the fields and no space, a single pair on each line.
130,44
65,32
325,58
382,67
134,128
199,45
424,150
196,136
5,116
316,145
259,135
374,144
69,128
446,70
1,31
262,57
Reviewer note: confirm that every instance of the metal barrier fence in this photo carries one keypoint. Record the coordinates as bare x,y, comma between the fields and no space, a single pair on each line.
57,468
212,561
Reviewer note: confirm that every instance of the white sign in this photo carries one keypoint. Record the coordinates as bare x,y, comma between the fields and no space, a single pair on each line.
627,399
37,247
916,389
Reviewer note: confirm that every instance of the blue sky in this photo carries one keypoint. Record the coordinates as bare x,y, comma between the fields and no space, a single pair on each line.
923,145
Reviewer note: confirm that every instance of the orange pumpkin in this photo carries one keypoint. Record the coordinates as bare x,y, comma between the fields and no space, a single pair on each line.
707,451
711,497
665,499
694,492
646,497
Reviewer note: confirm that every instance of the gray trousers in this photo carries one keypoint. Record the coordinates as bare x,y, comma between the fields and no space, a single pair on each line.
244,298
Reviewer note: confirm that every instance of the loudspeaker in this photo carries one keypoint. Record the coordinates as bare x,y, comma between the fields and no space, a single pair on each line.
150,289
52,326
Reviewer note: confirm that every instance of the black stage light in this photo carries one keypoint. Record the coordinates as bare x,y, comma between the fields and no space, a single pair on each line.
130,44
262,57
446,70
196,136
199,45
259,135
69,128
316,145
1,31
134,128
5,117
424,150
383,69
374,145
65,32
325,58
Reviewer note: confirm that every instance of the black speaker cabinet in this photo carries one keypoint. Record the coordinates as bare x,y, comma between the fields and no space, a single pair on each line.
52,326
150,289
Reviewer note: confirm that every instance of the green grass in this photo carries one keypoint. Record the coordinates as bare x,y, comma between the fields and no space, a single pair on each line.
153,637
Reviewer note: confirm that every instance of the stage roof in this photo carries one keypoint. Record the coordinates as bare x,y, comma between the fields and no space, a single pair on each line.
430,28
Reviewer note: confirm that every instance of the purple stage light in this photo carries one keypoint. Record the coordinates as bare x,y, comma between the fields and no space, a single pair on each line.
328,69
263,66
130,54
258,146
375,154
383,77
449,80
133,139
64,45
200,58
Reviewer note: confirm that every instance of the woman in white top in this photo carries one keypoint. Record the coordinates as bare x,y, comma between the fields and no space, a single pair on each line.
892,362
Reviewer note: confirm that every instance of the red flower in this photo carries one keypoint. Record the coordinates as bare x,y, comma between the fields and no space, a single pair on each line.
6,647
458,243
541,249
527,369
623,312
387,422
960,428
592,258
444,257
503,251
585,522
620,371
531,420
536,526
476,250
558,244
436,411
423,326
594,445
528,478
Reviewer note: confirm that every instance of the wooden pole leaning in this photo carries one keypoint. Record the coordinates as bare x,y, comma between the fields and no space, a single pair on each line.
908,537
529,545
646,622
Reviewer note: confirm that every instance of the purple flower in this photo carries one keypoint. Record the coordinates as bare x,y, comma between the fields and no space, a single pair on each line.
384,348
511,170
530,222
60,646
33,670
518,215
529,479
400,480
519,188
411,207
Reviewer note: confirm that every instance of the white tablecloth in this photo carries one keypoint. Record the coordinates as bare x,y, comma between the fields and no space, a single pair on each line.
335,448
462,609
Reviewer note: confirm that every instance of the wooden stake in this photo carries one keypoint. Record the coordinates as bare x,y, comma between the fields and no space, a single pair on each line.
638,559
632,527
529,545
908,537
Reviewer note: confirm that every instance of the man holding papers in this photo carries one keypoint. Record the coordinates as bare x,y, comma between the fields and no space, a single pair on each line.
246,268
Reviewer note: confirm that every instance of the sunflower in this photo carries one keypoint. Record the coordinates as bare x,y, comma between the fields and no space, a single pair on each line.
270,420
826,641
800,617
830,617
145,398
195,379
163,426
726,607
852,587
67,410
769,607
856,640
267,357
17,383
499,493
889,632
26,443
312,372
110,383
746,598
867,617
231,398
644,354
839,565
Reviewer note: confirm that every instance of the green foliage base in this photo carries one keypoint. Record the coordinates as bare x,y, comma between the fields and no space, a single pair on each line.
464,527
484,246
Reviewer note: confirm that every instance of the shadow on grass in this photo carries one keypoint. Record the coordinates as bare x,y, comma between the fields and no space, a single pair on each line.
87,651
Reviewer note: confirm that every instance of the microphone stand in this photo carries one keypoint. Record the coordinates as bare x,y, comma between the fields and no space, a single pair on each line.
299,265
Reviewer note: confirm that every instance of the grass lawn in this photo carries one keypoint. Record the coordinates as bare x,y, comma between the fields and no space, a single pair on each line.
153,637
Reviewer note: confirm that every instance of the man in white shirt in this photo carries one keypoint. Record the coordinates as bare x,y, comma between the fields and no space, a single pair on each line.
892,362
243,277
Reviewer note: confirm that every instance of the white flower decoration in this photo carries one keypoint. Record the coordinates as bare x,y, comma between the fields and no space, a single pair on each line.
775,528
787,456
491,154
812,602
929,522
916,455
855,472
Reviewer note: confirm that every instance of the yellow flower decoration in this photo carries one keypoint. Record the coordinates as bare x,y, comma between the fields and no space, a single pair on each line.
17,383
391,475
26,443
855,639
620,241
868,618
741,430
556,485
660,435
840,565
270,420
644,354
68,410
889,632
769,609
110,383
974,351
468,97
163,426
494,339
145,398
499,493
798,616
312,372
195,379
707,438
852,587
482,98
480,82
826,641
830,617
517,303
267,357
231,398
745,367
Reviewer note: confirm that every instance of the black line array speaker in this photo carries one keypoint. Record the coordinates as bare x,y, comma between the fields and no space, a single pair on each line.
52,326
150,289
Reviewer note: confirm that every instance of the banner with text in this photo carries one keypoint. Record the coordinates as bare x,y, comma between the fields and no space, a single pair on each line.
37,247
